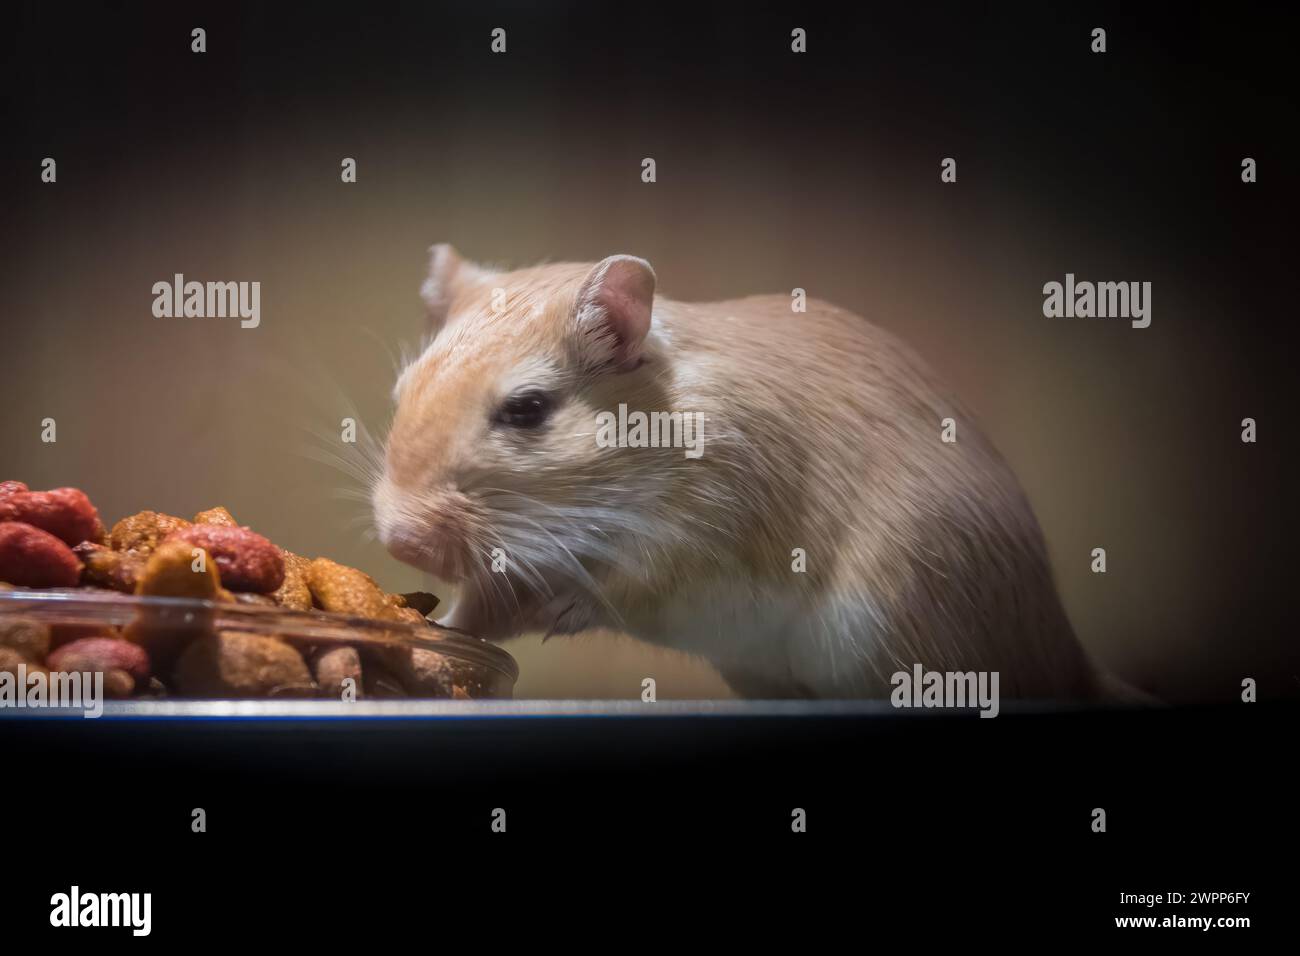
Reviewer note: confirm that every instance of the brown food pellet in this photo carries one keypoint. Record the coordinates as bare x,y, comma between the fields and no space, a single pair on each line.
169,572
144,531
106,568
410,615
422,672
118,685
294,593
343,590
236,664
331,666
10,659
29,638
217,516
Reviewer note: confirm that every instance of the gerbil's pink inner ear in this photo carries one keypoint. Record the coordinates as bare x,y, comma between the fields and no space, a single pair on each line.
613,312
449,277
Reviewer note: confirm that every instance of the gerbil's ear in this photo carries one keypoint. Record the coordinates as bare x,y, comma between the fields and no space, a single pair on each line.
449,277
613,312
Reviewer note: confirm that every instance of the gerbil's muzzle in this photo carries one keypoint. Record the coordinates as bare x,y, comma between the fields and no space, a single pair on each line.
435,532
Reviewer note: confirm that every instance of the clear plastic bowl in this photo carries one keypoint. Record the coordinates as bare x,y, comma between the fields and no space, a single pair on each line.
472,666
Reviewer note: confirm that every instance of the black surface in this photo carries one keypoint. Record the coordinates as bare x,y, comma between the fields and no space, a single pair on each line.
910,819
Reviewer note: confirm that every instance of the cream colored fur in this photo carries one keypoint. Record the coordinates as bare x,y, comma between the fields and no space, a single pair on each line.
823,434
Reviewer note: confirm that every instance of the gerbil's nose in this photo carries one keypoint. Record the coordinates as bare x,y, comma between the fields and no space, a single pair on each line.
403,545
431,534
391,532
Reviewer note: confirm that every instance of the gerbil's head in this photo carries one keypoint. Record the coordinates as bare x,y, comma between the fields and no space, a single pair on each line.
493,476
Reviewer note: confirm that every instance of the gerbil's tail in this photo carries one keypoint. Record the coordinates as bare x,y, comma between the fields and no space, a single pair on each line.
1118,693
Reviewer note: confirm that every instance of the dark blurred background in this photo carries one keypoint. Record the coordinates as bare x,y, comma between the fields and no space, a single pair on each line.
775,170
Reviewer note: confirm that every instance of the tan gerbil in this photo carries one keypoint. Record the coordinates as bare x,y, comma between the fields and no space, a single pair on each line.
817,538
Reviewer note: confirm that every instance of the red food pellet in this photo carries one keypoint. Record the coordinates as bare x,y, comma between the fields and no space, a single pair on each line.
32,558
245,560
101,654
65,513
8,488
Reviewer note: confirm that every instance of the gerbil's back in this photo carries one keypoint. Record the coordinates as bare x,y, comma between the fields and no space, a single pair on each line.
840,430
836,379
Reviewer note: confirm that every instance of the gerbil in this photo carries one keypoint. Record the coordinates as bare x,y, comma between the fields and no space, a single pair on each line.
822,439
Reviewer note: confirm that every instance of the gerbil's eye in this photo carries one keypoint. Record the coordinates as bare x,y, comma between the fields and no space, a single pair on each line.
525,409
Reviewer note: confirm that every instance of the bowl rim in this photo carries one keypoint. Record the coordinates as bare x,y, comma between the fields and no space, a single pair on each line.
63,605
